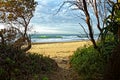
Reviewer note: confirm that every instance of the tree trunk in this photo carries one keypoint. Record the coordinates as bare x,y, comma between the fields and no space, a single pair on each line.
89,25
28,44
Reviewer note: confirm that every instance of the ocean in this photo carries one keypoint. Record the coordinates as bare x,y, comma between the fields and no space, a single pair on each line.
42,38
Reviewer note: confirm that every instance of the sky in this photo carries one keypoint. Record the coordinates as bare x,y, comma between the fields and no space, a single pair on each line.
46,20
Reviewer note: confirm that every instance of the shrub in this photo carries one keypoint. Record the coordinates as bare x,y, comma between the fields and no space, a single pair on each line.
90,63
87,63
18,65
106,49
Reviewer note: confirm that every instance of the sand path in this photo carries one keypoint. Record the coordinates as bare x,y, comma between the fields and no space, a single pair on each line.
61,53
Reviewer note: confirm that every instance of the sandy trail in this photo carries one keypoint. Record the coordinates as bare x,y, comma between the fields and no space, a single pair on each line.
60,52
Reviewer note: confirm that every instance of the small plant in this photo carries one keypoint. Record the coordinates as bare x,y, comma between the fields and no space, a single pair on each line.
45,78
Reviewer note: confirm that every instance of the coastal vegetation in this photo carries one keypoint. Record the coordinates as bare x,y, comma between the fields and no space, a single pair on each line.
99,61
16,20
18,65
15,62
90,63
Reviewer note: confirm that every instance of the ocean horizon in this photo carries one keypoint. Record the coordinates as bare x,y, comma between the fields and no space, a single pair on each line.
47,38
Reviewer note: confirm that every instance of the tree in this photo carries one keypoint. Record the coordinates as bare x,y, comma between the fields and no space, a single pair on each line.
16,14
113,21
104,11
92,10
113,25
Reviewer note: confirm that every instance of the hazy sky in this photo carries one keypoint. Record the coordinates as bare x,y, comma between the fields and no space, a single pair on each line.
45,20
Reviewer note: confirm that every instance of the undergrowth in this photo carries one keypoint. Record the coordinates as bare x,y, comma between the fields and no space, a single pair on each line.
89,63
18,65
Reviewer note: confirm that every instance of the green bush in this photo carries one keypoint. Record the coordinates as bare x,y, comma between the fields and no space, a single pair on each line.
18,65
106,49
87,63
90,63
45,78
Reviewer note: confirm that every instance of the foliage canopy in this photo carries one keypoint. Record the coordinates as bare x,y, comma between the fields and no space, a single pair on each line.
16,14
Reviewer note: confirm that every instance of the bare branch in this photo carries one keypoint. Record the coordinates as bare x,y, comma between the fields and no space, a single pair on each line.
89,25
72,3
111,2
97,17
84,30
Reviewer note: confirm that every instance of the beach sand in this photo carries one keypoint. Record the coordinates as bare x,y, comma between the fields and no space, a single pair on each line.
61,53
55,50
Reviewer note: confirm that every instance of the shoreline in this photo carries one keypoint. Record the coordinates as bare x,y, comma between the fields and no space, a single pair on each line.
37,43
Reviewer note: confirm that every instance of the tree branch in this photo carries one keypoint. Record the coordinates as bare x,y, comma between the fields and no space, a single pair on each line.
84,30
89,25
97,17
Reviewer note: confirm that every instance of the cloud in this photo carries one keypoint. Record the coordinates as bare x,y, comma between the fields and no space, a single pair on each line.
1,26
45,20
63,28
47,29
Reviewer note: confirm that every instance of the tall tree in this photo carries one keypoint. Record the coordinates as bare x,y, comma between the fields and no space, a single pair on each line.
92,10
17,14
